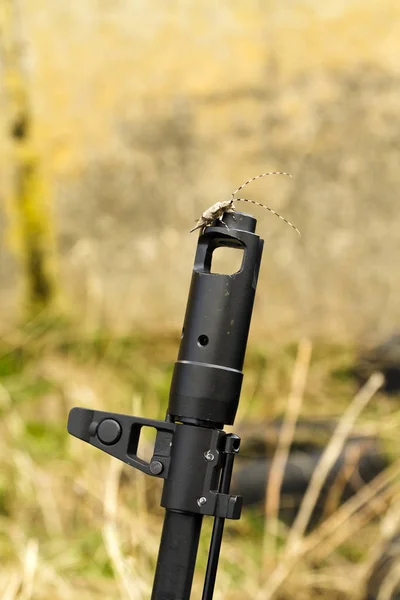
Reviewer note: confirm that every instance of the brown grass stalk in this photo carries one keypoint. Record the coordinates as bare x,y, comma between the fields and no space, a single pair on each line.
285,439
330,456
388,526
30,563
131,588
12,588
298,545
340,521
390,582
353,514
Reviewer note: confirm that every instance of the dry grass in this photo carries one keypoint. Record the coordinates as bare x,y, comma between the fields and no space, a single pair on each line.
75,522
285,439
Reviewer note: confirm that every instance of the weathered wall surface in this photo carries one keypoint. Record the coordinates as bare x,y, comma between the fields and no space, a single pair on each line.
147,112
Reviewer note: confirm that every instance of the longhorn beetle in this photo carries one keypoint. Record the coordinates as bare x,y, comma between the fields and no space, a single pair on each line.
217,211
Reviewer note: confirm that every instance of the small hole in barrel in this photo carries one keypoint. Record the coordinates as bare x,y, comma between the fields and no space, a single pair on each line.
202,340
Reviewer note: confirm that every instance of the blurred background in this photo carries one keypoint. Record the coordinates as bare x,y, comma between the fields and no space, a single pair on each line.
120,123
141,115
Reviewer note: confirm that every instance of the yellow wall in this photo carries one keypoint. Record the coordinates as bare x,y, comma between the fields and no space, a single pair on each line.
233,88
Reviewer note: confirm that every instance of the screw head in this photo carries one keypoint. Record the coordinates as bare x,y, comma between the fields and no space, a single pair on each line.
201,501
209,455
109,431
156,467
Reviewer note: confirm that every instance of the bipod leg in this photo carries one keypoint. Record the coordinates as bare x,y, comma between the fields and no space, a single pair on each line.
231,448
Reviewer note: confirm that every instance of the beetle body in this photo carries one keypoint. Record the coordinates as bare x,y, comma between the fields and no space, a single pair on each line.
212,214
